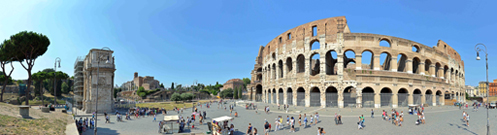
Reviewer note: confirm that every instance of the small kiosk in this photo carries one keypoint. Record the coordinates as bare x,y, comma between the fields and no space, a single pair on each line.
222,122
169,120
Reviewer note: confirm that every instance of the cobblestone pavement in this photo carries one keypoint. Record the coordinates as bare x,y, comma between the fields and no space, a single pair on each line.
446,120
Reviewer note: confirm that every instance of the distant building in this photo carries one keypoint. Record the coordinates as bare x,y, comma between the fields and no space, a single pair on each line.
147,82
493,88
470,90
233,83
482,89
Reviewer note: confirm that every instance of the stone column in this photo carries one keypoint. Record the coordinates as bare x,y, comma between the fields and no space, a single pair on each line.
264,96
432,70
410,100
377,100
277,72
421,68
323,97
358,62
376,61
395,100
409,66
277,97
272,96
393,64
308,97
340,99
447,74
294,97
423,98
285,97
359,98
284,70
434,99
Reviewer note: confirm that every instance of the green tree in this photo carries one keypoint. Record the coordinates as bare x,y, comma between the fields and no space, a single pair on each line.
246,81
161,85
27,46
228,93
235,93
205,91
6,57
176,97
59,75
117,90
240,92
65,88
172,86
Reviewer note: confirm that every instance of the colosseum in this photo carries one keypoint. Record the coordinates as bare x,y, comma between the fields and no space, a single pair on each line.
323,64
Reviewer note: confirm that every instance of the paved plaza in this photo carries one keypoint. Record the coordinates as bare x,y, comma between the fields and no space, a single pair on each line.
439,120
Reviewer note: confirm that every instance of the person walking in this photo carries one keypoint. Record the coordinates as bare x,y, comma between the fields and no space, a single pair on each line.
316,117
300,118
359,124
292,123
372,113
312,120
467,120
155,117
305,121
249,130
266,128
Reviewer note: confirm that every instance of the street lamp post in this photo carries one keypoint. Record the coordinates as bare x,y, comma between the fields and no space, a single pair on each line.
481,47
57,61
96,102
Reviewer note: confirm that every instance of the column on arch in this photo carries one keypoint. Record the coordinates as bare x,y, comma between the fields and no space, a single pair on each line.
410,99
432,70
359,97
409,66
358,63
308,97
393,65
376,61
395,100
421,67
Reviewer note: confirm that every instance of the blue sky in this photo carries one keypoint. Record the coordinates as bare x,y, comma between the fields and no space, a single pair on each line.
209,41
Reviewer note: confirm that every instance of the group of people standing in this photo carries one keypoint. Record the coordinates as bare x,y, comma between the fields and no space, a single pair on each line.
290,123
84,124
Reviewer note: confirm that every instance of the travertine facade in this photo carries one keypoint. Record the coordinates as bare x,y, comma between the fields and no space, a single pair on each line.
233,84
320,64
105,80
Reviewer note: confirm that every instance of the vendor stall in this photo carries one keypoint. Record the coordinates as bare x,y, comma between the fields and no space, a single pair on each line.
169,120
220,125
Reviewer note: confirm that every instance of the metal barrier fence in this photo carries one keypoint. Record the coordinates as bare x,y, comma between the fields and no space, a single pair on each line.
315,99
402,100
124,106
273,100
280,96
269,98
300,99
289,98
367,100
416,99
331,100
429,99
258,97
386,99
349,100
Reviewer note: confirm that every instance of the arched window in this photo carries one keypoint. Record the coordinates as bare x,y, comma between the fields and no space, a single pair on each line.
289,65
331,60
415,66
315,64
385,43
385,59
289,36
349,59
367,60
300,64
315,45
314,31
401,63
427,67
415,48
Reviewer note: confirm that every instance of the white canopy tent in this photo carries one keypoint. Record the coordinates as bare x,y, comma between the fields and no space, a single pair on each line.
222,118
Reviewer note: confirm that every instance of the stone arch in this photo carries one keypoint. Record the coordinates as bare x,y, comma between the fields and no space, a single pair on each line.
415,48
301,63
439,97
280,96
368,97
300,96
315,45
289,96
415,65
314,64
402,95
273,71
367,54
386,96
385,59
427,67
446,73
438,72
385,42
402,62
315,95
349,59
289,65
274,56
280,68
331,97
258,93
273,95
349,97
330,62
416,97
429,97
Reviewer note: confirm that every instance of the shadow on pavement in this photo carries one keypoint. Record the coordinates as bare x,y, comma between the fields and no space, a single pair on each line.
464,128
102,131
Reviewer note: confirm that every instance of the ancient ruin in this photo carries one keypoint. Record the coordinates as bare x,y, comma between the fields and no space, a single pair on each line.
320,64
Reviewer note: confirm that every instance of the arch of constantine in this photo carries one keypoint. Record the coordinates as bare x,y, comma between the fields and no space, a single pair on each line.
323,64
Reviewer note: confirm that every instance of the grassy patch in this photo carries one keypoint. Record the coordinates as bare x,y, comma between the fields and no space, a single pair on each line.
169,105
14,125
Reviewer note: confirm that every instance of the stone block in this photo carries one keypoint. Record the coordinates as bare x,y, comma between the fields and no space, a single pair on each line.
24,111
45,109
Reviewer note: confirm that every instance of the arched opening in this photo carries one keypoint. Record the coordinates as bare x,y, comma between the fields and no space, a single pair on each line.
415,48
273,95
289,36
439,95
401,63
289,96
446,72
315,64
457,95
367,60
280,96
447,95
402,97
428,98
258,93
259,78
259,70
427,67
349,59
274,56
300,64
385,59
273,73
416,96
386,97
438,71
300,96
289,65
368,97
314,31
331,60
331,97
385,43
349,97
315,97
415,65
280,68
315,45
